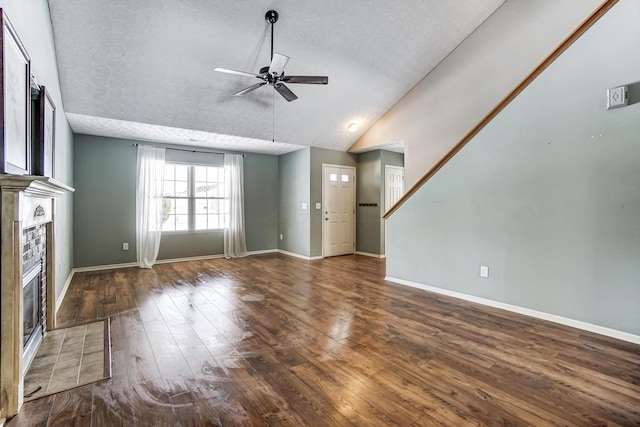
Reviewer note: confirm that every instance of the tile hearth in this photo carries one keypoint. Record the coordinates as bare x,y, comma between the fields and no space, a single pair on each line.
69,358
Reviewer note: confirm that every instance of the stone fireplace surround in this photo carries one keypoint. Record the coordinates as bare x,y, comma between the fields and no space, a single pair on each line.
26,201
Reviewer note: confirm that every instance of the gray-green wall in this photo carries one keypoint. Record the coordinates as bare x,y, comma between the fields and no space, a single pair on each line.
294,190
547,195
104,209
300,181
33,25
370,228
369,183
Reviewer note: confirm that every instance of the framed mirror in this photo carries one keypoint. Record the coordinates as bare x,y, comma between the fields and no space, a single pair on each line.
15,102
44,120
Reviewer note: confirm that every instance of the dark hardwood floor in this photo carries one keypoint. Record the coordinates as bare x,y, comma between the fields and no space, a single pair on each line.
273,340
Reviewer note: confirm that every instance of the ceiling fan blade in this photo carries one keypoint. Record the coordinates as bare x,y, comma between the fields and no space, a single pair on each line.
249,89
237,73
278,62
310,80
285,92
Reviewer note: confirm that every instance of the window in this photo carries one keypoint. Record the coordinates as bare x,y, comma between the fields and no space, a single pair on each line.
195,198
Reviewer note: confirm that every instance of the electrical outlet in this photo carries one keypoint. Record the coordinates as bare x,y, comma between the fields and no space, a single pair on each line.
484,271
281,237
125,246
304,206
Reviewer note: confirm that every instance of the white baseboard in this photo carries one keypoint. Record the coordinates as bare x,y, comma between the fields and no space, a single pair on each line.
164,261
191,258
104,267
370,254
265,251
65,288
578,324
60,297
308,258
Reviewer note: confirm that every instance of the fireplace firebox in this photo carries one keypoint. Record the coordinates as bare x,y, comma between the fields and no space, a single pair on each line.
32,315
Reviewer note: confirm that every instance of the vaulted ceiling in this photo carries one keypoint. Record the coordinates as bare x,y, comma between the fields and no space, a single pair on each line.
144,69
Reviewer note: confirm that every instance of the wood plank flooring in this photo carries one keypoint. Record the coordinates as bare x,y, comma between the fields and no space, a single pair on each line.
273,340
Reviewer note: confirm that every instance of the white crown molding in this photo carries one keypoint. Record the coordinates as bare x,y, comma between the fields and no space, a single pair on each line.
613,333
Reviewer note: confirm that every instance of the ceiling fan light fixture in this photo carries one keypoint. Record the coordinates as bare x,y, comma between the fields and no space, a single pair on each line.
278,62
352,127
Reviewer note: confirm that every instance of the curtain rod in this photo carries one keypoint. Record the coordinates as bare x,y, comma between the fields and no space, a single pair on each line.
193,151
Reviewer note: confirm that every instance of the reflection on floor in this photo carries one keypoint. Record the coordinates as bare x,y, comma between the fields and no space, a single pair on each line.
69,358
276,340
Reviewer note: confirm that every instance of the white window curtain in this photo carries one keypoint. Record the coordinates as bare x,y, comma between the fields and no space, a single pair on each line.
235,245
150,173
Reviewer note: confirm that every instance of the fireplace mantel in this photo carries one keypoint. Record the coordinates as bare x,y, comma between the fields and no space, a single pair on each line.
26,201
36,186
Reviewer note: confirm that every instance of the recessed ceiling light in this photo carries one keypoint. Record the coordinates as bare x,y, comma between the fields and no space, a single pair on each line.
352,127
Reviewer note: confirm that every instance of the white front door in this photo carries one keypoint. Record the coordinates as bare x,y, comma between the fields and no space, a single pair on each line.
338,210
393,185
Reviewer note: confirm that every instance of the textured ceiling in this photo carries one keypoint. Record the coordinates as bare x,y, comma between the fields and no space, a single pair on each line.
142,63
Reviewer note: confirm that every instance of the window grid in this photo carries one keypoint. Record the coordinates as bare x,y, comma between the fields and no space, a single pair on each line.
195,198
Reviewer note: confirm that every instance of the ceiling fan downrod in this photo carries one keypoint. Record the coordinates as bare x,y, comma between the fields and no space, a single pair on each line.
271,17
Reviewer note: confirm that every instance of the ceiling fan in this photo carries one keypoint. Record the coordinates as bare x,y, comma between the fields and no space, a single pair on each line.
273,75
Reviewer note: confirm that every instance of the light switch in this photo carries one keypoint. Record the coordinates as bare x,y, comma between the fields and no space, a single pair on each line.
484,271
318,206
304,206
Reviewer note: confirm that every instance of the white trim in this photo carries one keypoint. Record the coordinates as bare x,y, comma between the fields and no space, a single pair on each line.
104,267
308,258
191,258
60,297
65,288
265,251
160,261
624,336
370,254
135,264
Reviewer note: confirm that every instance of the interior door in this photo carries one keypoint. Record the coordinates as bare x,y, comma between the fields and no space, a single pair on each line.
338,209
393,185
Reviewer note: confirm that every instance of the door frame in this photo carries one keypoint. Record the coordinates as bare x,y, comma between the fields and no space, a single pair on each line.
353,202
